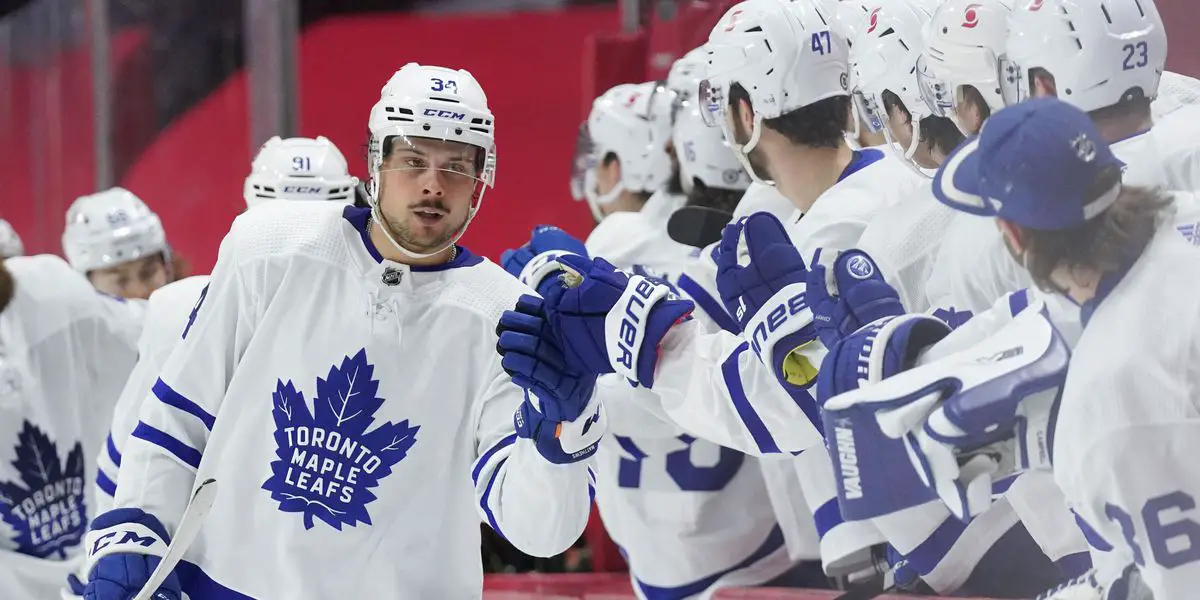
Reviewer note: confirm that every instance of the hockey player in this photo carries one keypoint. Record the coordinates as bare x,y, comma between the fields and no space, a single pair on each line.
777,82
371,483
1044,171
1074,49
65,352
115,240
10,242
300,169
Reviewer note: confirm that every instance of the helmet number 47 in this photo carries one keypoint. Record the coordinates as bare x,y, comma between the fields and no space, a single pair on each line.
820,43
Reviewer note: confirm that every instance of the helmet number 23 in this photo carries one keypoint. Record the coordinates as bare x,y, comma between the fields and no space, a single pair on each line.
439,85
1136,55
820,43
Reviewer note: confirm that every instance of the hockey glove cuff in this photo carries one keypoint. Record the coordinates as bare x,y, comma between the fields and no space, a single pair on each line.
846,291
561,442
124,547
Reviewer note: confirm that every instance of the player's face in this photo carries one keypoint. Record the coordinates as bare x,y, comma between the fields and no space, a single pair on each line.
134,279
427,188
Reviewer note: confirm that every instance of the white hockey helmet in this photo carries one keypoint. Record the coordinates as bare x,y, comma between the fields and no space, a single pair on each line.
884,59
110,228
1097,50
784,54
963,44
683,80
632,122
298,168
421,101
704,153
846,19
10,242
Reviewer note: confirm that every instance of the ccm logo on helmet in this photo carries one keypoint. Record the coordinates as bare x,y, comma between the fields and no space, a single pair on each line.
874,20
302,189
971,16
444,114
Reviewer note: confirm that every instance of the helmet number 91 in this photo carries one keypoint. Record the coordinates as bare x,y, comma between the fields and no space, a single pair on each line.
439,85
301,163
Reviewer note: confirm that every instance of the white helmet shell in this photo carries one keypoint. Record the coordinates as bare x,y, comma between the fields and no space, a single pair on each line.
704,153
1097,50
10,242
111,228
684,77
298,168
632,122
421,101
785,55
884,59
963,44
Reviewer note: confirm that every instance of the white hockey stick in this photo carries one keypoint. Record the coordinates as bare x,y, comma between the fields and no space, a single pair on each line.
189,526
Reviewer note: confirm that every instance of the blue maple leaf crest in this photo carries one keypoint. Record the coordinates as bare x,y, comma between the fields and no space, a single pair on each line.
46,507
328,461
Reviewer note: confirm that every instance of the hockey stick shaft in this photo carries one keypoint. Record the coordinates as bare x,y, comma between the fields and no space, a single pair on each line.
185,534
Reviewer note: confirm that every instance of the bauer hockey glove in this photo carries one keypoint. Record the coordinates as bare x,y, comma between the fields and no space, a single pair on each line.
846,291
124,546
610,322
534,263
767,299
560,413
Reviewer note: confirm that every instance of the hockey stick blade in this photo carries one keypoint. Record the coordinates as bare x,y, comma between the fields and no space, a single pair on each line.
185,534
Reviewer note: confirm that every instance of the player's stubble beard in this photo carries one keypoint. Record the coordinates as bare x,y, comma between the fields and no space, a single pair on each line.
404,234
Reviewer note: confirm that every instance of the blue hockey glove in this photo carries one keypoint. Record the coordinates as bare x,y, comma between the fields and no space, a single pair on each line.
766,297
846,291
534,263
124,546
610,322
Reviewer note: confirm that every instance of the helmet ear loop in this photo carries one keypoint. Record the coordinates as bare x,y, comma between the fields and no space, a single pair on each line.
742,151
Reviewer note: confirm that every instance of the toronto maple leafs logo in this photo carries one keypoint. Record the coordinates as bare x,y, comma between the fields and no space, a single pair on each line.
46,507
328,461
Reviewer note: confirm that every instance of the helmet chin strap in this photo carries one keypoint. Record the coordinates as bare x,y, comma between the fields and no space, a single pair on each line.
743,151
595,199
907,156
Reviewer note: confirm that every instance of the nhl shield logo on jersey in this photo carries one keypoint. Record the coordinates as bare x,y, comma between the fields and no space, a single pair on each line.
328,461
46,508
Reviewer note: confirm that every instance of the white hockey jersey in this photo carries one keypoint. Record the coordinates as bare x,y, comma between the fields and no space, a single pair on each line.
167,314
739,403
355,416
659,207
690,516
1128,425
65,352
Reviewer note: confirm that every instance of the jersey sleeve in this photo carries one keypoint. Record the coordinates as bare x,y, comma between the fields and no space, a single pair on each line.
713,386
539,507
163,453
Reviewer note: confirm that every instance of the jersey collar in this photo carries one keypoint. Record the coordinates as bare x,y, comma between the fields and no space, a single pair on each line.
1107,283
358,217
860,160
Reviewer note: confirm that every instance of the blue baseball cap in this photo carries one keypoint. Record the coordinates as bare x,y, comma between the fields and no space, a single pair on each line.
1034,163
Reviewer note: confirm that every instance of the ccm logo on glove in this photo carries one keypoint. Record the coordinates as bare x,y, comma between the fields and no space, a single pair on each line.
128,537
775,319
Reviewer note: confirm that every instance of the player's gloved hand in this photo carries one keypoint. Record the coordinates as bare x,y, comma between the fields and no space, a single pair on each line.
534,263
124,546
609,321
561,414
945,418
766,296
846,291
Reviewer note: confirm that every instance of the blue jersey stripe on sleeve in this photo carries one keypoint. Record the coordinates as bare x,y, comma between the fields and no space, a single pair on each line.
106,485
112,451
750,418
170,397
180,450
483,460
483,500
708,304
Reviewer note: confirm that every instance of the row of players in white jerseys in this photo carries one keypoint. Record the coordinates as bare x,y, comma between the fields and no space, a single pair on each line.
778,352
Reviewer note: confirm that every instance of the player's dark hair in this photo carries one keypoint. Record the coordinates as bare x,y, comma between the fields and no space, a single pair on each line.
939,132
973,96
723,199
1104,243
1133,103
821,124
8,286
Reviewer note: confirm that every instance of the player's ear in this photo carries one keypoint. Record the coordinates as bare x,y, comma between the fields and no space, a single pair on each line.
1012,236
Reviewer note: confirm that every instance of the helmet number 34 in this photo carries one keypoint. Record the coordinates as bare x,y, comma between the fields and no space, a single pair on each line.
439,85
